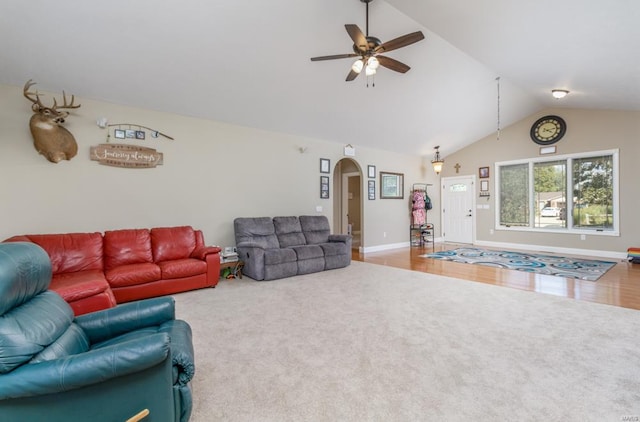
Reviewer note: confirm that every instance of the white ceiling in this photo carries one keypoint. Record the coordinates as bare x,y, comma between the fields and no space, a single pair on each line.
248,63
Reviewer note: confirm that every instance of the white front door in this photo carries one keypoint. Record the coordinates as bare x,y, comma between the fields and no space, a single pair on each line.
458,203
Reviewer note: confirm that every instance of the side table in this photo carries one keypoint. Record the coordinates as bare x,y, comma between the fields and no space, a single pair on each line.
235,266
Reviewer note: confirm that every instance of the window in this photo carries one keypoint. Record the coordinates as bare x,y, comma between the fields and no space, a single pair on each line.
514,185
458,187
576,193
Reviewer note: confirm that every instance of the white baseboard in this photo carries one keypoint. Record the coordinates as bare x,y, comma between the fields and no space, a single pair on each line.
554,249
389,246
378,248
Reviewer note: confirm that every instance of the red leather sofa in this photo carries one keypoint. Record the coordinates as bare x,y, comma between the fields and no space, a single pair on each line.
93,271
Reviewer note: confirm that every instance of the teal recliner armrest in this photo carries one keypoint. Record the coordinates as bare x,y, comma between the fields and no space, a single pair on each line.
85,369
109,323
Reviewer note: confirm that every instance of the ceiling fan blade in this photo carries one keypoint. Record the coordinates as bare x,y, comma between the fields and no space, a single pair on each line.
400,42
352,75
357,36
393,64
336,56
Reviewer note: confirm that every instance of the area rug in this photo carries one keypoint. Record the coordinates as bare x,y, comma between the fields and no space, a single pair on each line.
583,269
376,343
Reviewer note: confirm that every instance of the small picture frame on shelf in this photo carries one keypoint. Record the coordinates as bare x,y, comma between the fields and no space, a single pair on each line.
118,134
325,165
139,134
371,172
483,172
324,187
130,133
484,186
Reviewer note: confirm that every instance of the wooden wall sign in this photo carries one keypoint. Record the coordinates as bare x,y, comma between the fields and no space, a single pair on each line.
129,156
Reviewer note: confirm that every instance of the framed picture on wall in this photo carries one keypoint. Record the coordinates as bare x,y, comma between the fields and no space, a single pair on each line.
324,187
371,190
325,165
391,185
484,172
118,133
371,172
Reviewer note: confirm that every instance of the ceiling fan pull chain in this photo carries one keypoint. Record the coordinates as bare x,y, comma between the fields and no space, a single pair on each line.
373,81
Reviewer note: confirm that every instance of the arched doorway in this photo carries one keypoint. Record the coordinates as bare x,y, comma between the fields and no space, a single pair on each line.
348,200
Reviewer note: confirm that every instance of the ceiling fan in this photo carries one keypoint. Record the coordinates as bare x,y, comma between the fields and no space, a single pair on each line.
368,50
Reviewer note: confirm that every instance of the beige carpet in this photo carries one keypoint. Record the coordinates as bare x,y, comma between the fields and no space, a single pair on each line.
374,343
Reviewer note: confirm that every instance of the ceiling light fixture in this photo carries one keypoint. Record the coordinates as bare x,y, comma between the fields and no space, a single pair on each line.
437,161
357,66
370,69
559,93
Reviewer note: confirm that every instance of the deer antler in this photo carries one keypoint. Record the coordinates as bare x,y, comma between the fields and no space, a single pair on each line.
65,105
37,104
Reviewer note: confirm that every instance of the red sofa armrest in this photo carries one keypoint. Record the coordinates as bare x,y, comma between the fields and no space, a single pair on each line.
201,253
210,254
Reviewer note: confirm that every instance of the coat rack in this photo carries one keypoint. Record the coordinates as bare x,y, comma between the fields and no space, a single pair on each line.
420,231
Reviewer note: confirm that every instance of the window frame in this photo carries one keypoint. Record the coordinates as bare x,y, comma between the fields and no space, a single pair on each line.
568,158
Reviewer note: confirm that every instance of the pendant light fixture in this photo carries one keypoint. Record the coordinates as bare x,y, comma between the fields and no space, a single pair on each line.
437,161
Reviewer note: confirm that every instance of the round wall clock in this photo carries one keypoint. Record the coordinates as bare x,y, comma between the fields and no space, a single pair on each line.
548,130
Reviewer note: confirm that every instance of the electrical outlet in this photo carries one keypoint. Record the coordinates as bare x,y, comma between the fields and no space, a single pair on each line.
384,234
490,231
583,237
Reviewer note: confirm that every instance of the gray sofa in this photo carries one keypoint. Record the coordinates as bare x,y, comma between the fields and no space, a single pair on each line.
279,247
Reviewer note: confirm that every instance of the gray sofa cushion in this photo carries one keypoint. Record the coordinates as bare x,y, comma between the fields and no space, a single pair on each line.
255,232
279,256
334,248
315,228
308,251
289,231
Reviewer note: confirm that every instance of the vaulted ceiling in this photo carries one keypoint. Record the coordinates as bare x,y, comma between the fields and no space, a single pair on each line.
247,63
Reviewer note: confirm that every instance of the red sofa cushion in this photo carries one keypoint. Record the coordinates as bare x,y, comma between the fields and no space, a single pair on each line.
71,252
79,285
124,247
182,268
171,243
132,274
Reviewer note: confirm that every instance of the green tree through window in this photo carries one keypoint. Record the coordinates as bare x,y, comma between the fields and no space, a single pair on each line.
542,193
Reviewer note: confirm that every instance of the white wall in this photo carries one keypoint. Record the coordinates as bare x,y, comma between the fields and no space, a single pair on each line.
212,173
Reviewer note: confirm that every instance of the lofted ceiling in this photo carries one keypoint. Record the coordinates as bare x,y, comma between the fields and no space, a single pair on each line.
247,63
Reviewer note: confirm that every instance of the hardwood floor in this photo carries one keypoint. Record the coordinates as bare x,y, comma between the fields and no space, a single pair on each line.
620,286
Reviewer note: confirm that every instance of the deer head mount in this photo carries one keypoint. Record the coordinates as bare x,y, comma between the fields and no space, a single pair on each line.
49,138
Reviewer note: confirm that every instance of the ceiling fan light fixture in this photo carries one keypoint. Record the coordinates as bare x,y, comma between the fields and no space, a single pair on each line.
373,63
559,93
370,71
357,66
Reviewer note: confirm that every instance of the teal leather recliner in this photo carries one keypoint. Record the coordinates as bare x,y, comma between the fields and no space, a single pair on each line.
103,366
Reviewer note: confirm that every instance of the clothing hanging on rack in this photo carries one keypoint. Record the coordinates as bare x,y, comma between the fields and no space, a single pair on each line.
419,209
420,204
